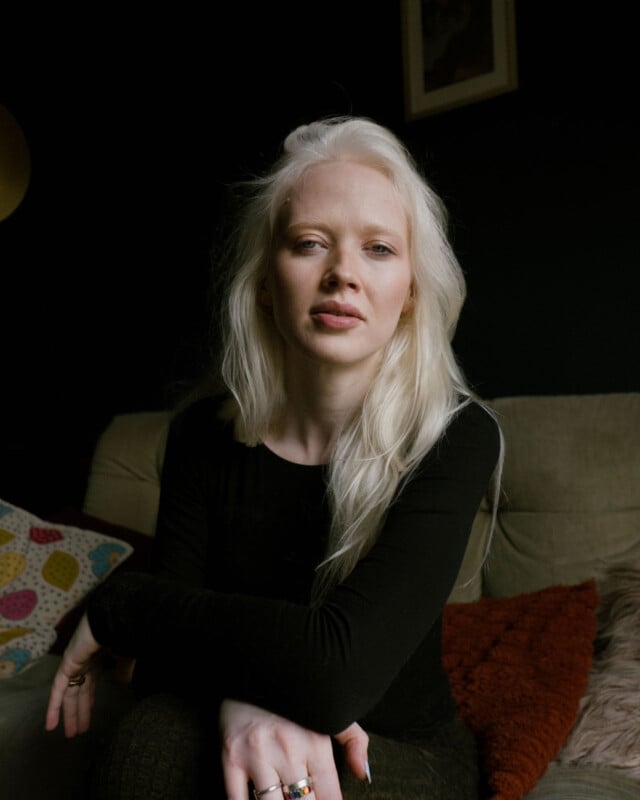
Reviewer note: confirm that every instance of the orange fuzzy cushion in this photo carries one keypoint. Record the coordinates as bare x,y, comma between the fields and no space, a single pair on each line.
518,667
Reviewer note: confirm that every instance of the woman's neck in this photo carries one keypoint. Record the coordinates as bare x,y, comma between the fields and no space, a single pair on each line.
319,404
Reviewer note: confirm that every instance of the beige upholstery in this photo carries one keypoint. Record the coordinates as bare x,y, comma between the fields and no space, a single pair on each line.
570,503
124,480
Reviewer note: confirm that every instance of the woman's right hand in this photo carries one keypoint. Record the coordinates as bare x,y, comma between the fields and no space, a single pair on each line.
266,749
75,699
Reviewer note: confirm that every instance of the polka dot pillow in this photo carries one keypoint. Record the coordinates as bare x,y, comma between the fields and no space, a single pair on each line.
46,570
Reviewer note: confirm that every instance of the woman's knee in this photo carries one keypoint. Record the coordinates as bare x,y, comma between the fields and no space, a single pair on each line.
159,750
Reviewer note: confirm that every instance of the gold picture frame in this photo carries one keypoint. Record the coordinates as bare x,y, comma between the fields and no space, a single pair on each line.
456,52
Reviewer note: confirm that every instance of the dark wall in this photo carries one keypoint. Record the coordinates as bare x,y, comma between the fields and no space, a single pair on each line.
542,185
136,127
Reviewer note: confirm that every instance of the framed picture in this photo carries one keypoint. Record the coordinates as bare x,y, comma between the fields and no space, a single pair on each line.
456,52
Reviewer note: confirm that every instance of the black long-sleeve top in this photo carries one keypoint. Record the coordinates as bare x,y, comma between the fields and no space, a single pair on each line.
226,612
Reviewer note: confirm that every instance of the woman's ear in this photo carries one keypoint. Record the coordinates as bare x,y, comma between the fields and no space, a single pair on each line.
264,295
407,308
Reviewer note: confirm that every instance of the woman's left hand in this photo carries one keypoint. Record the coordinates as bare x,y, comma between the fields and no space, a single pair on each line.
268,750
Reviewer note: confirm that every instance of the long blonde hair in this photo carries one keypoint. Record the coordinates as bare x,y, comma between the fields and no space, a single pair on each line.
419,386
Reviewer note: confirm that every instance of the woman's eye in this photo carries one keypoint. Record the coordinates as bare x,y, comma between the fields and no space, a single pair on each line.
380,249
306,244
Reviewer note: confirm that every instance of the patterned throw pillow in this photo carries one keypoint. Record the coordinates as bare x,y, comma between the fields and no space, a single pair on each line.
46,570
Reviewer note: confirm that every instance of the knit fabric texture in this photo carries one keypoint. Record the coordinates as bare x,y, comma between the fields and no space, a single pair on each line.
518,668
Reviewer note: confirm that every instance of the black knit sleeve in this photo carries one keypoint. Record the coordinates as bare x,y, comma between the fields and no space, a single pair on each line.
324,666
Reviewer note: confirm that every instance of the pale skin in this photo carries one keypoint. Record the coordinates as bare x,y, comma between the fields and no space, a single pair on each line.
339,281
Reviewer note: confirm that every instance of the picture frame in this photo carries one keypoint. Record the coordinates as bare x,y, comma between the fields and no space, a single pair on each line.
456,52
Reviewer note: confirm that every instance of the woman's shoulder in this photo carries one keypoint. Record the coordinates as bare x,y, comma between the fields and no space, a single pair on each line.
474,425
201,417
476,414
475,419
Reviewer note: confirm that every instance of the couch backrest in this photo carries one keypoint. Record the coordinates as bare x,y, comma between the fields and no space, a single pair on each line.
571,490
124,479
570,502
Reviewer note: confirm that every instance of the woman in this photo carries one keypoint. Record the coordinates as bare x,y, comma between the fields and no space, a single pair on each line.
314,512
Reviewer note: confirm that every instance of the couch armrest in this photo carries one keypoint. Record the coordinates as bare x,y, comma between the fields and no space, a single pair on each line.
124,478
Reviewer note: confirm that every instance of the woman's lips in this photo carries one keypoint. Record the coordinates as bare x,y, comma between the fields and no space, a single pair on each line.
339,316
336,321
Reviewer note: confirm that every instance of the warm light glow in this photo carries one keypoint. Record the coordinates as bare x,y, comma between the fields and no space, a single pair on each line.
15,163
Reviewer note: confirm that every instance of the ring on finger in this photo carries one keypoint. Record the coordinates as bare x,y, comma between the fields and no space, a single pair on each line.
261,792
293,791
77,680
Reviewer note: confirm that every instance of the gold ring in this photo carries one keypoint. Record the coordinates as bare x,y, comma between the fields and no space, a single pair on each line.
77,680
260,792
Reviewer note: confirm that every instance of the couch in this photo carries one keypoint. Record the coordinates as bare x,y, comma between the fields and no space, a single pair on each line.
568,517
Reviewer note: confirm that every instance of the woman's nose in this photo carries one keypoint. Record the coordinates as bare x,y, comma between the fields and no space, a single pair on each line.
341,270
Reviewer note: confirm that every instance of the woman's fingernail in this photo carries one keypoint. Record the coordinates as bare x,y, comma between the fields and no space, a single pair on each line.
367,770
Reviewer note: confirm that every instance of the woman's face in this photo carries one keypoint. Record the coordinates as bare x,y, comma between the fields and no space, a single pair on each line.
341,274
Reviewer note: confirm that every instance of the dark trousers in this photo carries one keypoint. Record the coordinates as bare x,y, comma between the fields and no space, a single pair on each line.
162,750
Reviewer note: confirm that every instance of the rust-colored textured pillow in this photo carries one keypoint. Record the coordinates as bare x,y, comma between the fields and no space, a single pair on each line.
518,667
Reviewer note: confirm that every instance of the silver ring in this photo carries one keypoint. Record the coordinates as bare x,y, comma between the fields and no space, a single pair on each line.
293,791
77,680
260,792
